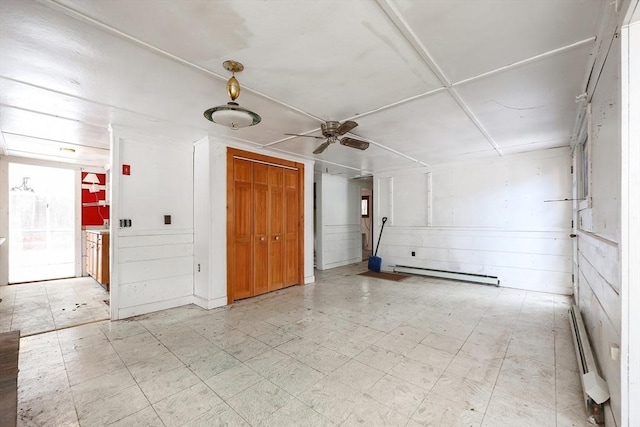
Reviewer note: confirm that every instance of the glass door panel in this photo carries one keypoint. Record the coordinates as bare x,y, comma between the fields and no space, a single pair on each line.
41,223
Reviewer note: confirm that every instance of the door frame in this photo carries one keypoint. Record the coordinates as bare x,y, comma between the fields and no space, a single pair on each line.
261,158
4,212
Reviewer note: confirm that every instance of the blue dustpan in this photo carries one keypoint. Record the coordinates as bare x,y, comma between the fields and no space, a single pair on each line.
375,262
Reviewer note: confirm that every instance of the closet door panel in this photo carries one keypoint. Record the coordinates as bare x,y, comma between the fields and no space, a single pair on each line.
261,228
242,257
276,228
292,221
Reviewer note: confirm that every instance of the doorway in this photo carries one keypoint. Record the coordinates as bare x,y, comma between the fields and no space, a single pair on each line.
44,293
42,223
366,217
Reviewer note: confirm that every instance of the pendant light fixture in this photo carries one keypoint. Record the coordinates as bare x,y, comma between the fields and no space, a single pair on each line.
232,115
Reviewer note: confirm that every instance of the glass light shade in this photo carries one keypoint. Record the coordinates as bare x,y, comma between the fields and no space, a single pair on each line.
232,116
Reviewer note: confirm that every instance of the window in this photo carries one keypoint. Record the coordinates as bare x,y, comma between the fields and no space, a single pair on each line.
364,207
583,164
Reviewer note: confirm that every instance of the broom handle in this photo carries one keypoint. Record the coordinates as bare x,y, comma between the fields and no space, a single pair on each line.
384,219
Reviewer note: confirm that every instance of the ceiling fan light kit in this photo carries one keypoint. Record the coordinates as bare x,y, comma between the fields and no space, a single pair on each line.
332,130
232,115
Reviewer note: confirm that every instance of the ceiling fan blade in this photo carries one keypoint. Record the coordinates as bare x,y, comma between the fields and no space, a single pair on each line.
346,127
354,143
306,136
322,147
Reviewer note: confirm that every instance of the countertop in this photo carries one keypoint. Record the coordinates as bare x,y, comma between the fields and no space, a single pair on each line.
98,231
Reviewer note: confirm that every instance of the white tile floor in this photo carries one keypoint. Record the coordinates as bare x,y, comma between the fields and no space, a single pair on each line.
347,350
46,306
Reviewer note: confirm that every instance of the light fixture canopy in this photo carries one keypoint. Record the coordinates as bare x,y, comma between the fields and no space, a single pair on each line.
232,115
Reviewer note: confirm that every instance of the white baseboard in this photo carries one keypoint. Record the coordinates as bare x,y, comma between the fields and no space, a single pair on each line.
309,279
137,310
208,304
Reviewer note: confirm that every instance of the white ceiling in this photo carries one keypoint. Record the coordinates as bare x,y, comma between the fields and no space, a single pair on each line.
427,81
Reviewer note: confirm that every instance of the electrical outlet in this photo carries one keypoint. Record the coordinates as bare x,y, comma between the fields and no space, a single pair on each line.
413,253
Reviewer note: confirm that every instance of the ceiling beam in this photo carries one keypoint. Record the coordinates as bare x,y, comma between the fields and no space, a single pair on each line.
395,17
527,61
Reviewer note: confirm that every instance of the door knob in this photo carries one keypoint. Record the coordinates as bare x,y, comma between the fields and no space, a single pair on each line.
277,237
262,239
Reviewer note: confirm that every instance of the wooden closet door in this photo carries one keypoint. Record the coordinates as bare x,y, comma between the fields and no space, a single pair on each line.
275,217
242,256
264,224
261,228
291,226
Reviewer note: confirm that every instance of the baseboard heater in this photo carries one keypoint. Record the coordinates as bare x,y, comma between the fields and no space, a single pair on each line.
445,274
595,391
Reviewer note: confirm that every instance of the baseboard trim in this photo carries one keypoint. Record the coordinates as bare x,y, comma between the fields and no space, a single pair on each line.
209,304
137,310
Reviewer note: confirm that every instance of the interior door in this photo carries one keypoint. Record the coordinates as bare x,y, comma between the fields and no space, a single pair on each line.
275,216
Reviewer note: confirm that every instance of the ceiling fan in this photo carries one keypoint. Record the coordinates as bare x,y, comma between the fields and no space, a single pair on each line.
331,130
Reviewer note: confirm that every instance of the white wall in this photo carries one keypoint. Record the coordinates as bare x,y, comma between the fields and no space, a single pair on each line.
210,219
630,229
485,217
338,235
152,263
598,279
4,220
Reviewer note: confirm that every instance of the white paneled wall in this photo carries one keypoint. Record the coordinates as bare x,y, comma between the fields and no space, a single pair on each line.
210,224
492,217
598,290
152,262
338,233
630,227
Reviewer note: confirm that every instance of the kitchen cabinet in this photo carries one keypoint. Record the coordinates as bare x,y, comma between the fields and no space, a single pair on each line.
97,248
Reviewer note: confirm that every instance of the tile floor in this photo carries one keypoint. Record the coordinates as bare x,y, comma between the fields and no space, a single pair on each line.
46,306
346,350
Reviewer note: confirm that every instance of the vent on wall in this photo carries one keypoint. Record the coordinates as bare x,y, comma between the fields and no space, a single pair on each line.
594,388
467,277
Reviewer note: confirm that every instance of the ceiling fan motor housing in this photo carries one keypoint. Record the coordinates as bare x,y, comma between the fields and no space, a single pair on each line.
329,129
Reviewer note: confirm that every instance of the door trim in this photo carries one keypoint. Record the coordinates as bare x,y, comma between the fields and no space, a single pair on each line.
273,161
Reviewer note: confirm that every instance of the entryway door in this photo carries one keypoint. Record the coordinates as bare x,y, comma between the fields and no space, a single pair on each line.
264,224
42,223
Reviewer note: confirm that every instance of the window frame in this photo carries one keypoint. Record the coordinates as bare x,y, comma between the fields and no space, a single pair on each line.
365,207
583,163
